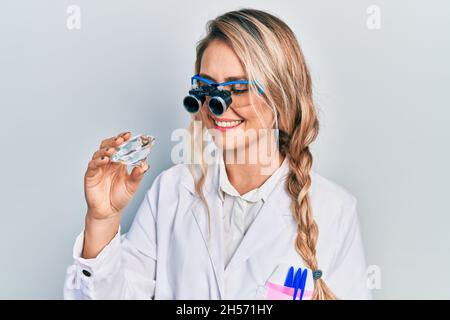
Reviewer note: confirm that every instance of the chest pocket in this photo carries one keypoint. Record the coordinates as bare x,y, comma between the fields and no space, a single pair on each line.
280,284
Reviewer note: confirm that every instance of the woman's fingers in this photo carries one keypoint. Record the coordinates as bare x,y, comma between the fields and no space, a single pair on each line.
137,173
105,152
108,146
96,163
115,141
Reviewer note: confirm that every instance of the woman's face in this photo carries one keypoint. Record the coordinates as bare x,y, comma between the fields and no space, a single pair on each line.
236,128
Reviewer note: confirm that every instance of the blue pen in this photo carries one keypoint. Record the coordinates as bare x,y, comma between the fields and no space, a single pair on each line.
300,282
303,283
289,281
297,280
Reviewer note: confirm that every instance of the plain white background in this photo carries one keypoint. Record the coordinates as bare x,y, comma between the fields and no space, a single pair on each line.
381,95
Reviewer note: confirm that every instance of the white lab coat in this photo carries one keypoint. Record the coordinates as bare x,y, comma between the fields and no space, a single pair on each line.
167,255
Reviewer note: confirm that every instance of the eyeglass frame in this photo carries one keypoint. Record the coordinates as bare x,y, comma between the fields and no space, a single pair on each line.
228,83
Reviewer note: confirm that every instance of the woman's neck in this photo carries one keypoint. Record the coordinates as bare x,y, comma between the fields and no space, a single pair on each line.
248,176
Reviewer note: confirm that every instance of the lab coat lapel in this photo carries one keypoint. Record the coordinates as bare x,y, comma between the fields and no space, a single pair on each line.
268,224
213,242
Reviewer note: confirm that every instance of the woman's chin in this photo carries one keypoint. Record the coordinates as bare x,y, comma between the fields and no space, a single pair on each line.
229,140
227,145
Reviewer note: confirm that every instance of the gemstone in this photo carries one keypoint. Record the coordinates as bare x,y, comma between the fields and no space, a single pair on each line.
131,152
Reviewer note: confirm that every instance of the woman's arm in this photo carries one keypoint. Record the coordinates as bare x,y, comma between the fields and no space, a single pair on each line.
125,268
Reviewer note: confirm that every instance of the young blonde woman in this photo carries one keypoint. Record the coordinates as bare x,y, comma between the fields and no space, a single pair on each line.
266,229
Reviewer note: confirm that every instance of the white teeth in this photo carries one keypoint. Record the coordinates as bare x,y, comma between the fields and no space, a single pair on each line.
227,123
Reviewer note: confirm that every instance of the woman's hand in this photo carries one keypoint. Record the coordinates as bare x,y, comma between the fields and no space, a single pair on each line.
108,189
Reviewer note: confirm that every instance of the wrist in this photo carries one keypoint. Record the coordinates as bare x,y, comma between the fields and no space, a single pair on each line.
99,226
98,233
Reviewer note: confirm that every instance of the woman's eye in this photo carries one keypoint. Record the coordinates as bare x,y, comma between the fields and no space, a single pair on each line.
239,88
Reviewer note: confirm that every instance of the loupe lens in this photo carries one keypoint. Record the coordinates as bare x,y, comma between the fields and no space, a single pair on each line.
191,104
217,106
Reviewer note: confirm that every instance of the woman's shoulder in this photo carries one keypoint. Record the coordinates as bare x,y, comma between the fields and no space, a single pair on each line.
339,243
175,177
331,201
334,209
329,190
169,188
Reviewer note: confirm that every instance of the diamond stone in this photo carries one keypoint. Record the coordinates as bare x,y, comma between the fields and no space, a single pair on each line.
134,150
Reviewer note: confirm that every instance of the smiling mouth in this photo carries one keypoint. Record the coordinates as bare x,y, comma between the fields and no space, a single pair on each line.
226,124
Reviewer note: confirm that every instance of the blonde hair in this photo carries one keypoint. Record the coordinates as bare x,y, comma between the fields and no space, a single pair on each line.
270,54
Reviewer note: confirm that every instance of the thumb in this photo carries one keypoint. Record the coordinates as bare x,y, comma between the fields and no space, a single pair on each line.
136,175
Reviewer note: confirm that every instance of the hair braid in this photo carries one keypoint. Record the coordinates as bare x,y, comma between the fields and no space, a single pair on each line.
298,185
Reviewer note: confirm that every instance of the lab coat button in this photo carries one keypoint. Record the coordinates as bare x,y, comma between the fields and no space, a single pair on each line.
86,273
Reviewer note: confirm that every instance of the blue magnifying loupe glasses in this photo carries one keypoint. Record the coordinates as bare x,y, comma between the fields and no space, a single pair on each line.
220,99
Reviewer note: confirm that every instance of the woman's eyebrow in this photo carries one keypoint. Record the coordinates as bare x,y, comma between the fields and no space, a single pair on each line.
228,79
204,75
